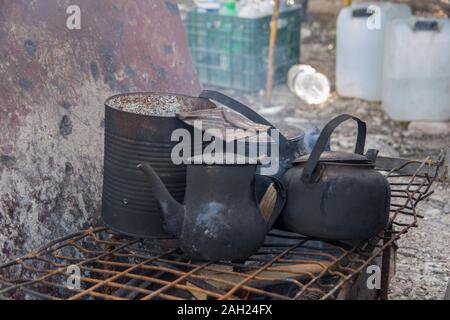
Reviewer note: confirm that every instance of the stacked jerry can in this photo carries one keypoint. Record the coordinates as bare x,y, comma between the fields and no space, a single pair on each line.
385,53
416,81
359,51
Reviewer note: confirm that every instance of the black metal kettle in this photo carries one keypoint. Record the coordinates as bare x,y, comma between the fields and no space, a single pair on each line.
220,218
336,195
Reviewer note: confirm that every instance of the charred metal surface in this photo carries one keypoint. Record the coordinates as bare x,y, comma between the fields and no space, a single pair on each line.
52,89
211,224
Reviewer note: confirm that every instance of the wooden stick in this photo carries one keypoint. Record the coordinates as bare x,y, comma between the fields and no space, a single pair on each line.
273,40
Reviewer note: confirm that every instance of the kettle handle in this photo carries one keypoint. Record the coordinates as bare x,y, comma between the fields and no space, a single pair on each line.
240,108
324,138
280,202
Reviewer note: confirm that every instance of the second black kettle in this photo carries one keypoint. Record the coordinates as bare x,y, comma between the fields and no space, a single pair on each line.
336,195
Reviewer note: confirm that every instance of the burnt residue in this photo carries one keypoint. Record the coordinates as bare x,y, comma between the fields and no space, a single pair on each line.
109,66
68,169
30,47
64,104
107,54
129,71
172,7
118,29
7,160
95,71
168,48
66,126
26,84
110,81
162,73
82,66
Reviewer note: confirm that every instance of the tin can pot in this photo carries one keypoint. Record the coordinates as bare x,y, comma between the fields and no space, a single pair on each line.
139,127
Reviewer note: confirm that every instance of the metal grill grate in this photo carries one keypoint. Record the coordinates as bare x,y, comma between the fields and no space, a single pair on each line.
287,266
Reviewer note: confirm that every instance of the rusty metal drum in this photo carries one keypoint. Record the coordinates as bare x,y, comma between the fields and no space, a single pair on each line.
139,127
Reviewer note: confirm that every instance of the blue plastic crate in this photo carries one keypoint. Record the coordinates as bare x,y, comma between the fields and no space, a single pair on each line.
232,52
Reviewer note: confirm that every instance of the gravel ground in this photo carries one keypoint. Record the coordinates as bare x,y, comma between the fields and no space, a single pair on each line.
423,266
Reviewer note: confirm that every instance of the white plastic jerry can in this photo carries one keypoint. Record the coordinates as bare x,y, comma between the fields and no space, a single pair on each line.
416,84
360,45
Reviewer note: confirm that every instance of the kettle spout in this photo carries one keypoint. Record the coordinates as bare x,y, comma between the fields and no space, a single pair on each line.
173,211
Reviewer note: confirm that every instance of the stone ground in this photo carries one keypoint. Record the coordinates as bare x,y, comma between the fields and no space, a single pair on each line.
423,264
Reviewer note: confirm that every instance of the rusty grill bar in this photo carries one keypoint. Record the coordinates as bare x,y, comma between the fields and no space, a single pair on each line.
287,266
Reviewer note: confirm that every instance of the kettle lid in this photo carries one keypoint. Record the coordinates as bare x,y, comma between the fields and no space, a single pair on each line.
339,157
